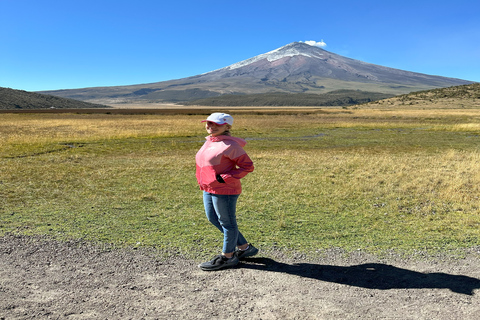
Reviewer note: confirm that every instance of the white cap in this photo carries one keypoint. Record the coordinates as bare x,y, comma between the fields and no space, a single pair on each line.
220,118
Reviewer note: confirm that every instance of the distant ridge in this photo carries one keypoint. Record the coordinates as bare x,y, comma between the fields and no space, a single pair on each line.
294,68
11,99
333,98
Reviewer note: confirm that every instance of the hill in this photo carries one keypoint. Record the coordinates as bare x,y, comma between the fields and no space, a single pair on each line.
19,99
465,96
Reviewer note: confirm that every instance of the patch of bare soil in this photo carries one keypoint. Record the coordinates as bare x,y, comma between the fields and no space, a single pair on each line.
46,279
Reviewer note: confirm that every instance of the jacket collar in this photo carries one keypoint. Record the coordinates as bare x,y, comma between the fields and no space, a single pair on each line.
240,141
216,139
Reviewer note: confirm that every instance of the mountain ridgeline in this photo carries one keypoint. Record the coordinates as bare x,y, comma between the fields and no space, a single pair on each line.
463,96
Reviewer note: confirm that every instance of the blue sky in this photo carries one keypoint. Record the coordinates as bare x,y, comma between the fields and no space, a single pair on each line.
59,44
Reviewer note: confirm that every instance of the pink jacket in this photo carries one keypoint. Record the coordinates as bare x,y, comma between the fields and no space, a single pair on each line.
224,156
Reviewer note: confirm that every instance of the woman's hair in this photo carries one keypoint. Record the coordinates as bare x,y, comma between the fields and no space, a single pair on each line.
227,132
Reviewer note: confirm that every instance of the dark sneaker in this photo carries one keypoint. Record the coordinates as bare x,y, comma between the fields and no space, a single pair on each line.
219,262
249,252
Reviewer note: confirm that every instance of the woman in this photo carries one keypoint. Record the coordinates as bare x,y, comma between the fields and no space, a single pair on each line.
221,163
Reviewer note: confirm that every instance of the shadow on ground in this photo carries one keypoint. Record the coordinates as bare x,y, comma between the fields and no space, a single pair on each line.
371,276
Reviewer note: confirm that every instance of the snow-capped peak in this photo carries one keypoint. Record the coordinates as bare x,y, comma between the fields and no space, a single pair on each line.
289,50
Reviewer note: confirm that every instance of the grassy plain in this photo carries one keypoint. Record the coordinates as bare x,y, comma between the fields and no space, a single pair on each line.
368,179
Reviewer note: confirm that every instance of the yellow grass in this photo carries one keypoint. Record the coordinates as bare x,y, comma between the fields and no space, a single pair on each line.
40,128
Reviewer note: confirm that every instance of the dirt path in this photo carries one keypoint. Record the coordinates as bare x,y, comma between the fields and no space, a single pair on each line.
45,279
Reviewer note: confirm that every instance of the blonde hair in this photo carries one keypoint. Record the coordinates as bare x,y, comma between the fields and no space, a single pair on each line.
227,132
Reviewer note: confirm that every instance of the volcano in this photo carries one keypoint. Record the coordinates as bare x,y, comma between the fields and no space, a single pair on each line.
295,68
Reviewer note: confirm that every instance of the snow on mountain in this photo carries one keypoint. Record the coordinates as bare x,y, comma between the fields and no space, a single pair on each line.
290,50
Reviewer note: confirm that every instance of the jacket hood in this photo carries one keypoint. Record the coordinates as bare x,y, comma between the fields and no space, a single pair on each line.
240,141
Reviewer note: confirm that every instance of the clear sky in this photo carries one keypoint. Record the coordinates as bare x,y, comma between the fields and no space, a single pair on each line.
62,44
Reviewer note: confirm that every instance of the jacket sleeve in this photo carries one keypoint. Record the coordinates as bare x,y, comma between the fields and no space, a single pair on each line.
243,166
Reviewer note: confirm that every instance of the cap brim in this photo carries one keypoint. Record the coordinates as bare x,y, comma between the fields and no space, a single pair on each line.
220,124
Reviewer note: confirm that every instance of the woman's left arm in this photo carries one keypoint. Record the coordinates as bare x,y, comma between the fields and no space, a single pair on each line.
243,166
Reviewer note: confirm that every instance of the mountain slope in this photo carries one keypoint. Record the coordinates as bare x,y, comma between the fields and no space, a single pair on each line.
294,68
332,98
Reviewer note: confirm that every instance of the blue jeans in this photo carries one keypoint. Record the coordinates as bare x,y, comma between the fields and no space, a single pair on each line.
220,210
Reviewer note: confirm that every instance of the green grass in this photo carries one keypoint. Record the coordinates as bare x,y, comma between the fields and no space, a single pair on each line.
353,180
